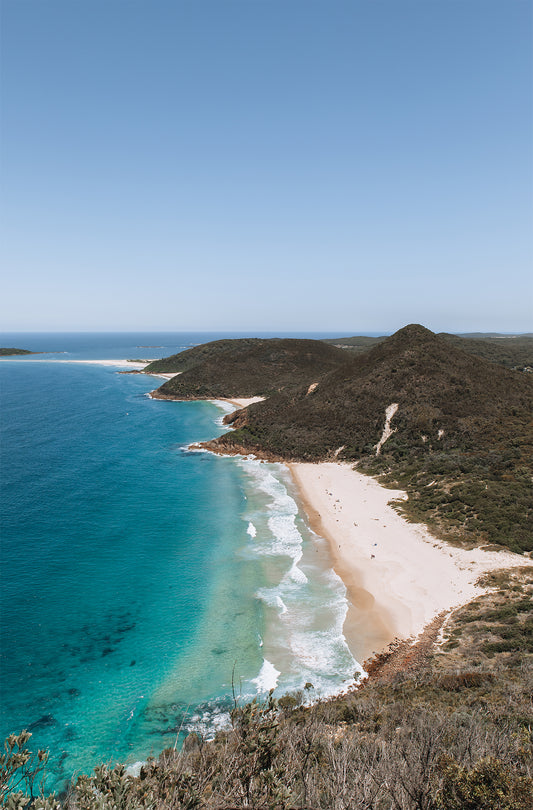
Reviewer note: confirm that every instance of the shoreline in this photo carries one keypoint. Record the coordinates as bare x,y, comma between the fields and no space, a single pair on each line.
243,402
237,403
398,577
135,366
367,627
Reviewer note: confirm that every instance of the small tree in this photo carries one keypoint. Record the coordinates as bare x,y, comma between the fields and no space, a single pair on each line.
22,776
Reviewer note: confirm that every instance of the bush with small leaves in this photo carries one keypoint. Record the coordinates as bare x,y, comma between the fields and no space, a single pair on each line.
21,774
489,784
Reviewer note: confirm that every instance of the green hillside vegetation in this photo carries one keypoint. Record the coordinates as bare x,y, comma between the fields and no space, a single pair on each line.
436,727
511,352
194,356
358,343
462,445
493,335
246,367
9,352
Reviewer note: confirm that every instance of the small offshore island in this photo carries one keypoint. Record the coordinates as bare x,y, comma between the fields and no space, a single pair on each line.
413,457
12,352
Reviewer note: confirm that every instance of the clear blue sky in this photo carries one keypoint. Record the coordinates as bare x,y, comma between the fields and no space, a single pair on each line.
267,164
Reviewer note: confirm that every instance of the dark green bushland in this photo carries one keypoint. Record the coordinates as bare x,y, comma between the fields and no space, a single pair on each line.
462,441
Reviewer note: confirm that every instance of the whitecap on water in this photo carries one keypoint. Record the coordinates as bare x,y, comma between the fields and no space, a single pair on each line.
251,530
135,769
226,407
207,722
306,602
271,597
267,678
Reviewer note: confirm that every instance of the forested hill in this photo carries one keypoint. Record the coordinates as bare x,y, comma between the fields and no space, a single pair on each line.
9,352
246,367
514,351
214,350
446,397
511,352
462,441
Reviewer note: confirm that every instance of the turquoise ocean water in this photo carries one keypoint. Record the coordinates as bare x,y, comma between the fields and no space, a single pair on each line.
138,577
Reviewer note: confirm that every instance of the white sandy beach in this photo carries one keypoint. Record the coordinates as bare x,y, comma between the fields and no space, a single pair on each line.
243,402
120,363
164,375
134,366
398,576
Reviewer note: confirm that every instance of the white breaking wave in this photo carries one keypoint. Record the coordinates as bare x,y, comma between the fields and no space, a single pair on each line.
307,604
227,407
251,530
135,769
208,723
285,538
297,575
267,678
271,597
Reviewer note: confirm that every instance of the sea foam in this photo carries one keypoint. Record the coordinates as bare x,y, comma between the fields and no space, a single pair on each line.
306,601
267,678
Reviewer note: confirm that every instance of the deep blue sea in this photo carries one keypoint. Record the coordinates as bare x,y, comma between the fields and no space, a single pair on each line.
139,578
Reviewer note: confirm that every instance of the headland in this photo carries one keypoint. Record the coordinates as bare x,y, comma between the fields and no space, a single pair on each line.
416,418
